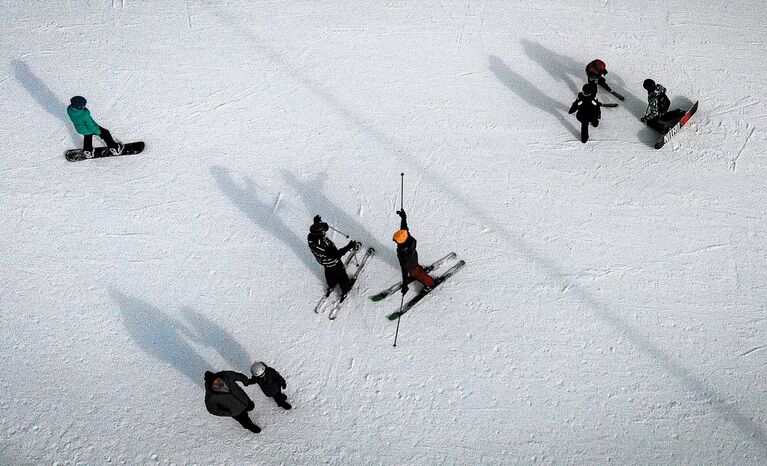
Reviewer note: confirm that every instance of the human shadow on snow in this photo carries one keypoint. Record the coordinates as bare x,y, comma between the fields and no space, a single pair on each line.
168,339
751,430
311,193
263,213
531,94
44,96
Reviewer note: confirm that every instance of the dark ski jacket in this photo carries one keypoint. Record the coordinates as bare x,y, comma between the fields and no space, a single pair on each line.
588,107
325,251
596,75
657,103
271,382
229,403
406,252
84,124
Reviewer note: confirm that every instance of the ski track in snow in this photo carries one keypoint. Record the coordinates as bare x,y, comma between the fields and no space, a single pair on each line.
612,307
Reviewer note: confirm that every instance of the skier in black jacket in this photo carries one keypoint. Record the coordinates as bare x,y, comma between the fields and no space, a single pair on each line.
329,256
271,383
589,109
657,115
408,256
223,397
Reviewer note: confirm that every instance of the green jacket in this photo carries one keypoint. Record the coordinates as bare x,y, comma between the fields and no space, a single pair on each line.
83,122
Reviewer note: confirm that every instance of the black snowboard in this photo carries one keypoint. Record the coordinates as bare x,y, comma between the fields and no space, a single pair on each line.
75,155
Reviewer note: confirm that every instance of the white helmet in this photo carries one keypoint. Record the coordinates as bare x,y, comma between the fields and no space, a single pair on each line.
257,369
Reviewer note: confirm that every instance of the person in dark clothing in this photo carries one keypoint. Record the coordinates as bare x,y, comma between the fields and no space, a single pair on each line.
271,383
84,124
223,397
595,73
657,115
408,256
589,109
329,256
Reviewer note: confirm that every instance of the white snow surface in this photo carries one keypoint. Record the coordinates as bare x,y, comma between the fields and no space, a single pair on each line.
612,309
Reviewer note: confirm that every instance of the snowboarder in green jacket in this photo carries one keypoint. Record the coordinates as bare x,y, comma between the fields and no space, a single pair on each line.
84,124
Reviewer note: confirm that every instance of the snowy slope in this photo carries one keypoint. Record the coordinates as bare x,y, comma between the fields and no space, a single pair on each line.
613,305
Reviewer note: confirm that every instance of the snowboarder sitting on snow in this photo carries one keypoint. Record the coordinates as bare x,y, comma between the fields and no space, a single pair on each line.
589,109
657,115
408,256
223,397
595,73
329,256
271,383
84,124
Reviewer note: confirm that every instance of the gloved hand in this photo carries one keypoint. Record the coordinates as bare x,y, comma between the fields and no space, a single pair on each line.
353,245
402,213
643,119
405,289
317,219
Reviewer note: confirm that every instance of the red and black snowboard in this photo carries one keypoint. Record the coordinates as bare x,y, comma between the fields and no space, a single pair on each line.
75,155
671,132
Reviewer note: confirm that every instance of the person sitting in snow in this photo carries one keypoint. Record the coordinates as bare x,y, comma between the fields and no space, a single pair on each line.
84,124
657,115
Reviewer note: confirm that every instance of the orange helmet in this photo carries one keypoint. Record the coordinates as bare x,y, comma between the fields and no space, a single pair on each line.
400,236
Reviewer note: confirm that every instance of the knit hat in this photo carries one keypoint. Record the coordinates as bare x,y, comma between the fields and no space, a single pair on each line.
78,101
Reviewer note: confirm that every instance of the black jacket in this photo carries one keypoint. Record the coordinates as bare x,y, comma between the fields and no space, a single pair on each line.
325,251
229,403
271,382
406,252
588,107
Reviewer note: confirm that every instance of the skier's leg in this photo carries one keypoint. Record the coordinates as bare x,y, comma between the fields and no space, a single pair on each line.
106,136
88,143
343,280
281,400
331,280
657,126
584,131
246,422
420,274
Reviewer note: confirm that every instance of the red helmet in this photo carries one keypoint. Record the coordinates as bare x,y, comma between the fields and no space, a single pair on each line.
600,66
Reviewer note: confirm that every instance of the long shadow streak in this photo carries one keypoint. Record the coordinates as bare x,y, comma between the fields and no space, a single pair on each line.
247,199
531,94
44,97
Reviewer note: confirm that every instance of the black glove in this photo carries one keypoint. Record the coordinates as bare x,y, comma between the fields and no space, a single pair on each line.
405,288
317,219
643,119
402,213
353,245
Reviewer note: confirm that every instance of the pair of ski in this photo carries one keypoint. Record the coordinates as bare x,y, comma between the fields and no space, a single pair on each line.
425,291
333,301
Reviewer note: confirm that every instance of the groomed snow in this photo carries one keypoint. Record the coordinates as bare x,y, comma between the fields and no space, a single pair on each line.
613,306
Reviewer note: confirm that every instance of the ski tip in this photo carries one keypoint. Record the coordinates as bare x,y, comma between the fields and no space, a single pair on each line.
394,316
376,298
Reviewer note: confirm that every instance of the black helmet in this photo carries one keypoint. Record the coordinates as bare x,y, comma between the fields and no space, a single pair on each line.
648,84
78,101
318,227
589,89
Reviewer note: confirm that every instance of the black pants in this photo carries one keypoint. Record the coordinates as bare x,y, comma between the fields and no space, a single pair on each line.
336,275
280,399
105,136
585,128
245,421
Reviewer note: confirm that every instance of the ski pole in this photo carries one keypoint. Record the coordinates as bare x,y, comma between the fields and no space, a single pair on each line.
398,317
338,231
401,191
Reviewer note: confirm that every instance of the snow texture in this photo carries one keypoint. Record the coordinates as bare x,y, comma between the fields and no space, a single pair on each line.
612,309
